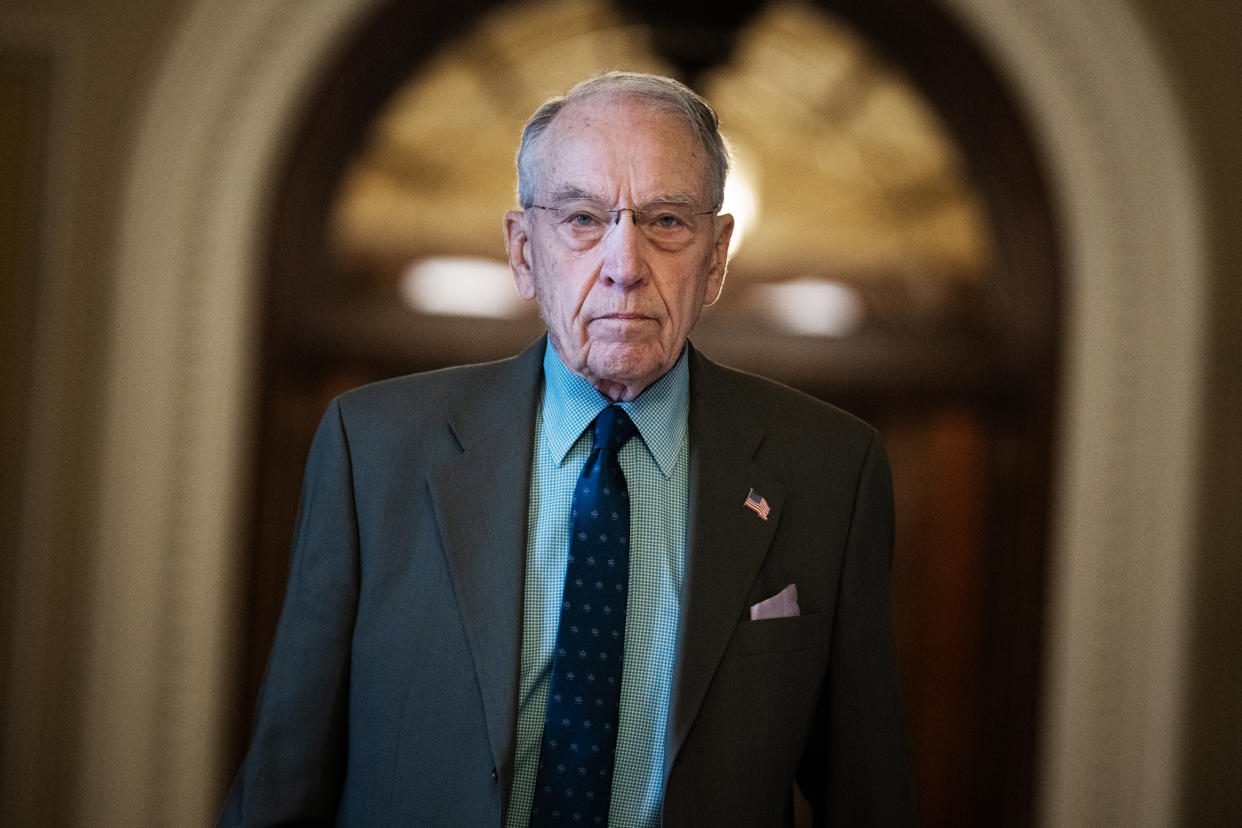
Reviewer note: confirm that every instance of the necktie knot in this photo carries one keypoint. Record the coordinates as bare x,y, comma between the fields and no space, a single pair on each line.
613,428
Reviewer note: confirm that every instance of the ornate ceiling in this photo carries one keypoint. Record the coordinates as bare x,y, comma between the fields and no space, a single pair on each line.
852,177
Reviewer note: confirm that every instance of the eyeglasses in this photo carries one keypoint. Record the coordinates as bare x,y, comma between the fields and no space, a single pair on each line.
582,223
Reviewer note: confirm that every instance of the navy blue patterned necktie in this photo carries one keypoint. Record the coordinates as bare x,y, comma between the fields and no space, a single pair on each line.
573,785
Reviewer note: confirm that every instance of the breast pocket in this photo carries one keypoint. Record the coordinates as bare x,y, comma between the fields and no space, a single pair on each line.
781,635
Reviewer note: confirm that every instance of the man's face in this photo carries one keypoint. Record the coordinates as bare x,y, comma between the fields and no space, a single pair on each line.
619,292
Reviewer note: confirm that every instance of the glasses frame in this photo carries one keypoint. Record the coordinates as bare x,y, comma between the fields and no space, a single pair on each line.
582,238
617,211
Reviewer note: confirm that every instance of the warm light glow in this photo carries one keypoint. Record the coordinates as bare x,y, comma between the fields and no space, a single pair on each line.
461,286
741,199
812,307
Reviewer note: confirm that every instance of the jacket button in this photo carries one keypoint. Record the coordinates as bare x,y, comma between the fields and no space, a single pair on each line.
495,776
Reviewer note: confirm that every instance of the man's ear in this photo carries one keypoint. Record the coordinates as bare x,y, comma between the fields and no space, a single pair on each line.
517,246
720,259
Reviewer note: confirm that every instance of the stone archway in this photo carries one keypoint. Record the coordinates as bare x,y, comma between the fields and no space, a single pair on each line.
179,398
1105,117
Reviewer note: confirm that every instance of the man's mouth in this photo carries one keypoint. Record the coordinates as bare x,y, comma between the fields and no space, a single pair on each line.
623,317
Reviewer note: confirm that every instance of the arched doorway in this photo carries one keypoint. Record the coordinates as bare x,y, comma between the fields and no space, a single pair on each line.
961,382
207,156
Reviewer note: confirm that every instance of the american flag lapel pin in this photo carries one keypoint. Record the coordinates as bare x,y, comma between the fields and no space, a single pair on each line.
758,504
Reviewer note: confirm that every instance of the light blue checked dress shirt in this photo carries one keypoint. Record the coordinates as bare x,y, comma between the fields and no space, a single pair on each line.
657,473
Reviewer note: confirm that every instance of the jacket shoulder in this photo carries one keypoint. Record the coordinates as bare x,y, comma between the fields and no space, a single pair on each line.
445,392
786,410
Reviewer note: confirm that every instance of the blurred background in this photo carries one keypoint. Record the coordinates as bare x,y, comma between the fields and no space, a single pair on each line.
1007,236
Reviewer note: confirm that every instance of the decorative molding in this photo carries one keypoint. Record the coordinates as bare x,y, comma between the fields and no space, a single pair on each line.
175,452
178,408
1105,117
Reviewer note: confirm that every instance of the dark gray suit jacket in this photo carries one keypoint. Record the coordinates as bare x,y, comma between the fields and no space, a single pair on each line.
391,694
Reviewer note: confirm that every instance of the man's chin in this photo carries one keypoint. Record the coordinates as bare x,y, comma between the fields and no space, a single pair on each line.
634,367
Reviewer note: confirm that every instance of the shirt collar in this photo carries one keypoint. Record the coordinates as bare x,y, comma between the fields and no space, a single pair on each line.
570,404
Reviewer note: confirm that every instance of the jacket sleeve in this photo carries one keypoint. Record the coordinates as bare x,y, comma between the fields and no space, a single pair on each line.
856,770
295,766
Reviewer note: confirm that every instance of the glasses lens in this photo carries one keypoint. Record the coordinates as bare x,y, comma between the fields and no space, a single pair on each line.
667,224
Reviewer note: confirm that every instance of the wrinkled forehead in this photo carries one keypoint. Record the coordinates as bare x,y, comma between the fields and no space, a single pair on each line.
611,146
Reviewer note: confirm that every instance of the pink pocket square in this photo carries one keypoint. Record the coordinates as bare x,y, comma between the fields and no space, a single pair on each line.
783,604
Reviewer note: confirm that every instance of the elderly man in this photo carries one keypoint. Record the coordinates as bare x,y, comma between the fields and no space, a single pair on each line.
606,581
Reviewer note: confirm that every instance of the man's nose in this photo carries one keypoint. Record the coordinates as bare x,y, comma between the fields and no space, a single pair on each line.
624,250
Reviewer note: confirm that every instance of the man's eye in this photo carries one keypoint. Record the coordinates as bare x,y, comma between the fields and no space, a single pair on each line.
668,221
581,220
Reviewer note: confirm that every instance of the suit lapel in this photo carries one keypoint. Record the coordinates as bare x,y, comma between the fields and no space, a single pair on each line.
727,542
480,498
